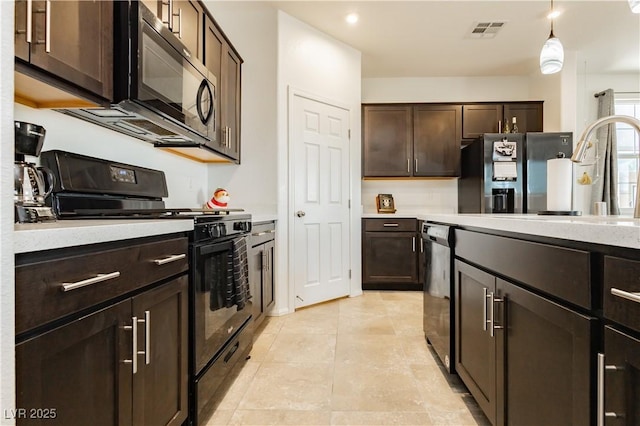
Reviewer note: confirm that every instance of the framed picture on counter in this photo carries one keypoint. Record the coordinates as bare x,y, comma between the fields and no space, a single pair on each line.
384,203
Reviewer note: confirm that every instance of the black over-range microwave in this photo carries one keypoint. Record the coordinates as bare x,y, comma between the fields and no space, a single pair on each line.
162,93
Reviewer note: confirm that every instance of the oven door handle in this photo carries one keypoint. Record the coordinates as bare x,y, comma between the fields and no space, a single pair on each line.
208,249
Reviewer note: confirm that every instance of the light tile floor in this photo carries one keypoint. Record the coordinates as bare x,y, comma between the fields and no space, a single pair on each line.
353,361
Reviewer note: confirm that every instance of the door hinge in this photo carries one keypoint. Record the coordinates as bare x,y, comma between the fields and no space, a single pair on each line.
349,273
349,203
349,133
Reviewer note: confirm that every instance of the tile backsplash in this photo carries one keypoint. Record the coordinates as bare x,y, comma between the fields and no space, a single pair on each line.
423,195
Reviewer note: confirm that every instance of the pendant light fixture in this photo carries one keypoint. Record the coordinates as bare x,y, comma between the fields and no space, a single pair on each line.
635,6
552,54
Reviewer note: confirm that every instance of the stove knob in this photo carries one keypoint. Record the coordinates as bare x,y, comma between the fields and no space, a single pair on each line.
214,231
241,226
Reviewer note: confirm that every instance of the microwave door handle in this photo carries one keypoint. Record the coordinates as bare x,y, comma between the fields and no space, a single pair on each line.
204,117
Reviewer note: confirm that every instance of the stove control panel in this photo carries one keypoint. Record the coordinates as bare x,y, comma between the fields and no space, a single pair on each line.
220,229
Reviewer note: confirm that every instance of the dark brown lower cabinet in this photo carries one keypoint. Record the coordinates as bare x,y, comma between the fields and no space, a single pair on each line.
620,390
89,371
261,256
390,254
525,359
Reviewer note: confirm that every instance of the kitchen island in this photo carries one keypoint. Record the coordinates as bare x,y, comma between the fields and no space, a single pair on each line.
543,307
620,231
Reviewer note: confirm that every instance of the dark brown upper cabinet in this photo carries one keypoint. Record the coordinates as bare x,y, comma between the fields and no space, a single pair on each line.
411,140
481,118
223,61
386,140
184,18
67,44
528,116
437,132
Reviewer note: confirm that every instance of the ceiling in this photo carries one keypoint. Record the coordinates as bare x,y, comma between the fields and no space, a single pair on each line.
434,38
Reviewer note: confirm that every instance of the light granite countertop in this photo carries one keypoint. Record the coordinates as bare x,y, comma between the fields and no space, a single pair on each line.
30,237
256,218
618,231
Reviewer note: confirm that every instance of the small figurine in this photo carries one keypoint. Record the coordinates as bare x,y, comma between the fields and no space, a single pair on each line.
220,199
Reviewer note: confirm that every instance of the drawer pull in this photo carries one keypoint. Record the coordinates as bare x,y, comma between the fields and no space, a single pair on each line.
271,231
634,297
390,225
169,259
259,234
89,281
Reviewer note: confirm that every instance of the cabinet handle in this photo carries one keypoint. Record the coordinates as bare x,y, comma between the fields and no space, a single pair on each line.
179,32
47,33
499,126
259,234
29,20
172,258
415,160
268,260
134,343
229,133
413,243
390,225
634,297
147,336
485,318
271,231
169,21
600,401
602,369
89,281
264,260
493,319
421,245
408,166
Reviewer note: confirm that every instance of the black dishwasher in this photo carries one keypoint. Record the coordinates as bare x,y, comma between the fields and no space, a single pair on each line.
438,288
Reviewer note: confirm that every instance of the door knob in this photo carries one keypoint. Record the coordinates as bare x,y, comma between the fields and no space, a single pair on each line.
300,213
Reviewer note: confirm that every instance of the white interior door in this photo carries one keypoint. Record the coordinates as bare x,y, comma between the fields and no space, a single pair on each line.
320,169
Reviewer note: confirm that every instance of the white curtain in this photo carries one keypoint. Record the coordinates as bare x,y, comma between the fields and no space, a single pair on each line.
606,188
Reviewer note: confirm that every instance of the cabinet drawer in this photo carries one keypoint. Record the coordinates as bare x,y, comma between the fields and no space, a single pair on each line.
391,225
622,276
558,271
41,296
263,232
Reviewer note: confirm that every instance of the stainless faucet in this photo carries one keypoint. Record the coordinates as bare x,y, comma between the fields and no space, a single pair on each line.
583,144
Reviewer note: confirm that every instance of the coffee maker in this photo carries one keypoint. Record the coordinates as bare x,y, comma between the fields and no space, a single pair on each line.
32,184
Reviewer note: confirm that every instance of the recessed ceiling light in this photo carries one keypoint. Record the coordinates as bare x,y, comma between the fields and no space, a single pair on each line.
553,14
352,18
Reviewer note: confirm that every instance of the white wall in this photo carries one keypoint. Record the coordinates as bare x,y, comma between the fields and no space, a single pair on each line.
186,179
7,293
413,196
252,28
447,89
310,61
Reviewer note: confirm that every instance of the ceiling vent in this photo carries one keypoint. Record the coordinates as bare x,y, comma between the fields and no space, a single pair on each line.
486,29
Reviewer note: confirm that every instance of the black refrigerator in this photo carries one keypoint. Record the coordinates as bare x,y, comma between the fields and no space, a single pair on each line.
507,172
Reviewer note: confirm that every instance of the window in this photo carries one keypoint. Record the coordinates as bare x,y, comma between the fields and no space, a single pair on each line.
628,149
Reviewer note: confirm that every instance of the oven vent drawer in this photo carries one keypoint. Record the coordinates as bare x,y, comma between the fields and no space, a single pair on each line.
211,387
